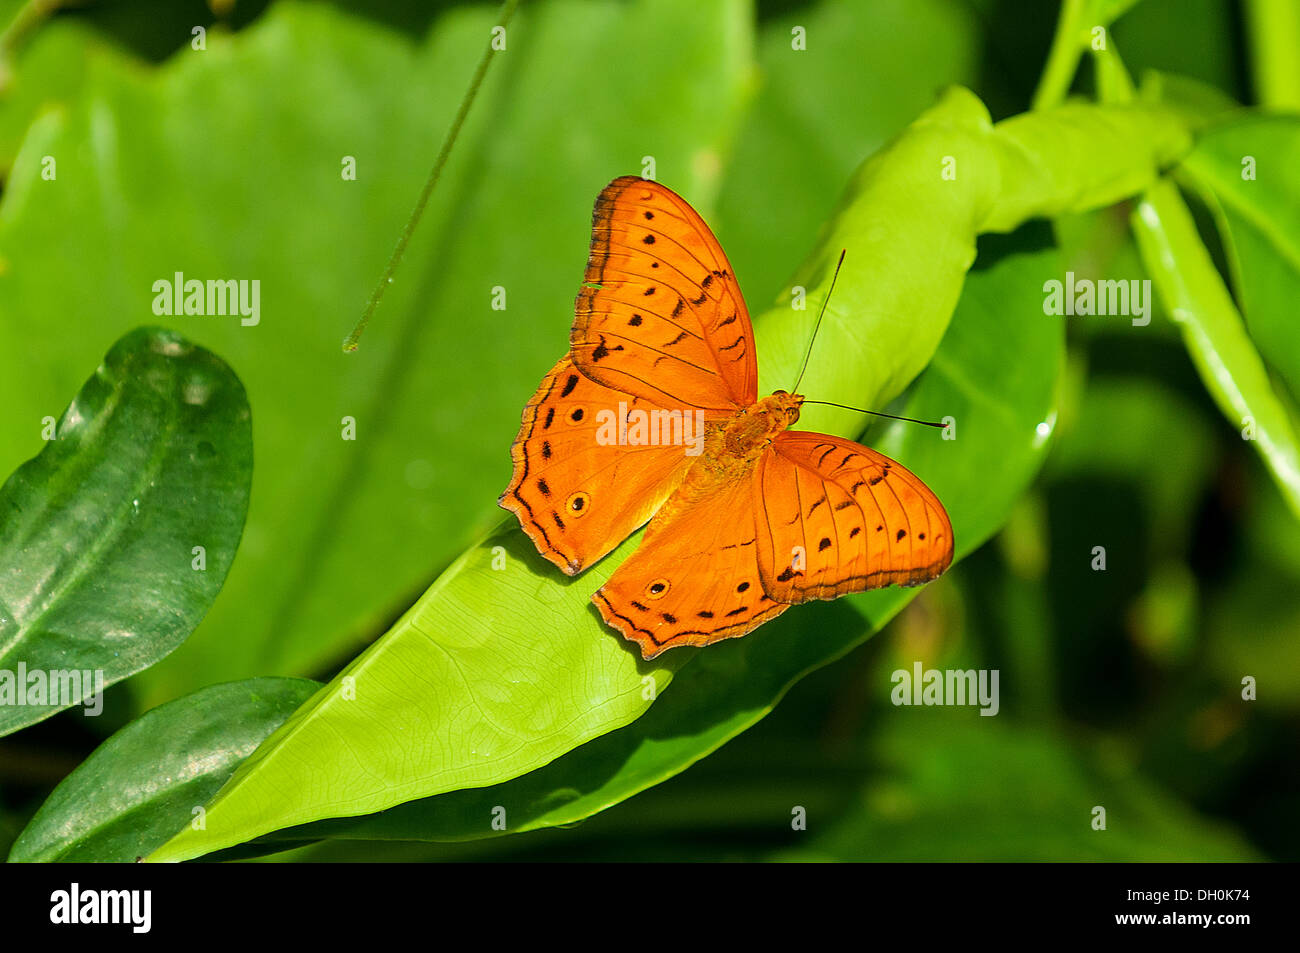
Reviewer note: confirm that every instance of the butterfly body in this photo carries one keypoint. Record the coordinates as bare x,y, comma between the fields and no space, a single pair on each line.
746,516
732,448
753,429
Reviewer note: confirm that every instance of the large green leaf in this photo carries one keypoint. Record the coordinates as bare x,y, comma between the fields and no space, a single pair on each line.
144,782
116,539
226,163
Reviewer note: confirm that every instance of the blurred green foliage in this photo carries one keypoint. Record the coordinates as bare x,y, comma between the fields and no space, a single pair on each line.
1120,688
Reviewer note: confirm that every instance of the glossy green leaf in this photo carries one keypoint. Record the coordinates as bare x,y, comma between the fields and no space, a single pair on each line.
148,779
117,537
1215,335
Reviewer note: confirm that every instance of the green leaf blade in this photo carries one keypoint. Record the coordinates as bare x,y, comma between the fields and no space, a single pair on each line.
1215,335
493,673
98,534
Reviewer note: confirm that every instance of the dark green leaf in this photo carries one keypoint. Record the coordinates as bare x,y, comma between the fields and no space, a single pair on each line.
116,539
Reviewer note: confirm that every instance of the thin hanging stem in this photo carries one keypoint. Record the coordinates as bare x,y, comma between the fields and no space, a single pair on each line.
385,279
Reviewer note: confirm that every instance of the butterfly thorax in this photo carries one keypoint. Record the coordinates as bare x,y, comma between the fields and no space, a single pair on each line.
737,442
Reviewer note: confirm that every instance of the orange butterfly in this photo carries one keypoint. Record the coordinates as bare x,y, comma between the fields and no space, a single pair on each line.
654,412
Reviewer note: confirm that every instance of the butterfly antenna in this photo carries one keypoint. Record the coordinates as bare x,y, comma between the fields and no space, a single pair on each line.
828,403
877,413
820,314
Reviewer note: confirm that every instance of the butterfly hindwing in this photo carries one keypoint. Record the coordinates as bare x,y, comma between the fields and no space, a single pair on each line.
660,315
837,517
576,493
694,579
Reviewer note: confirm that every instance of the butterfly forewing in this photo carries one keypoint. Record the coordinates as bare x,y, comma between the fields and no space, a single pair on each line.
837,517
577,493
660,315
